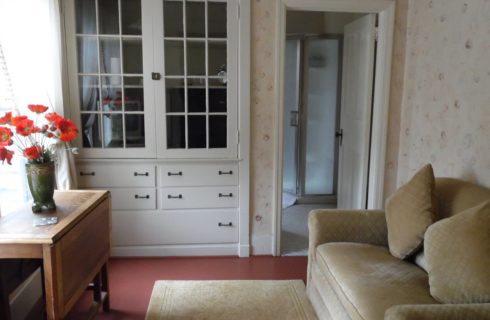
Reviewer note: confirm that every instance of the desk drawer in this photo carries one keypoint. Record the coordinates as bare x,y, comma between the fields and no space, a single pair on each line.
198,174
199,197
174,227
133,198
116,175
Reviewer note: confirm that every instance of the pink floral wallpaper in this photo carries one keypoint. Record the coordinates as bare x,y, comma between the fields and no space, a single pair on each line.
445,115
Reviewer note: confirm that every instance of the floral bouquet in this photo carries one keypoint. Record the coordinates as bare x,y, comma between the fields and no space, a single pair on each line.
33,139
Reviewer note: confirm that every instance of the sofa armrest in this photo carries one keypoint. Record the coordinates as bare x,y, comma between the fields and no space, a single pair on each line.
364,226
439,312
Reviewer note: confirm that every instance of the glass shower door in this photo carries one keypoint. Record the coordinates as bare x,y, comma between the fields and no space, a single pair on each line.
321,95
291,117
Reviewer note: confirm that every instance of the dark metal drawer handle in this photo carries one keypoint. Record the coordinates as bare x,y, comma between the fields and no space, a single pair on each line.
175,174
229,224
175,197
142,197
87,173
146,174
229,195
225,172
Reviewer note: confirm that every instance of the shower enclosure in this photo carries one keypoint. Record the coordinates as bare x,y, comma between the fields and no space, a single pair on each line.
311,115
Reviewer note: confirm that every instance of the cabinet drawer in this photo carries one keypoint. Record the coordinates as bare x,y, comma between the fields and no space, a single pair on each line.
199,197
174,227
116,175
133,198
202,174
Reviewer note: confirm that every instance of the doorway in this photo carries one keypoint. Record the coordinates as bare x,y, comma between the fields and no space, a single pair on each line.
373,92
311,122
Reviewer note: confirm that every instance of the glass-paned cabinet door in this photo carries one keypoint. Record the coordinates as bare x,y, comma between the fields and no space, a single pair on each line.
106,42
198,107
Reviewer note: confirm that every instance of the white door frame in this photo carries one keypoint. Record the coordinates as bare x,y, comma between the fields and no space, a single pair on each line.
386,13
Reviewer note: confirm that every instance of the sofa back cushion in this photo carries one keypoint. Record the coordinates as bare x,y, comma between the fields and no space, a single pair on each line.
409,212
455,196
457,250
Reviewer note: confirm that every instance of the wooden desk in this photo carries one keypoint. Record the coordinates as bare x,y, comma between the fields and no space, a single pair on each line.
74,252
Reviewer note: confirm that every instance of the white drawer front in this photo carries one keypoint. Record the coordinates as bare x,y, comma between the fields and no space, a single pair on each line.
206,174
174,227
199,197
133,199
116,175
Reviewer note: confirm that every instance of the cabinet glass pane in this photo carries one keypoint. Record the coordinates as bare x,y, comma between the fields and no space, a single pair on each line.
172,19
197,131
135,130
90,131
217,57
195,23
108,17
217,131
133,94
174,93
110,60
216,20
174,57
86,20
196,95
196,58
89,93
175,132
131,17
112,130
132,56
87,55
217,95
111,93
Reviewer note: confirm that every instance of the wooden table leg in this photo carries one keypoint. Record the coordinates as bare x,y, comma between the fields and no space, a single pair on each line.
52,286
105,287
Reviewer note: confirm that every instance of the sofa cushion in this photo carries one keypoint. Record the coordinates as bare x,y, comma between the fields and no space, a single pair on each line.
457,250
409,212
368,280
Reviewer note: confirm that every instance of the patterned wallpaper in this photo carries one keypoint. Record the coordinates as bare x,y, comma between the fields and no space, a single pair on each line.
445,116
262,125
439,102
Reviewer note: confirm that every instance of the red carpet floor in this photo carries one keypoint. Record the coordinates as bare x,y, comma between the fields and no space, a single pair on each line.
132,279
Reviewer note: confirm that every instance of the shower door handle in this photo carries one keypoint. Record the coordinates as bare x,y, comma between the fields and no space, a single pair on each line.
339,134
294,120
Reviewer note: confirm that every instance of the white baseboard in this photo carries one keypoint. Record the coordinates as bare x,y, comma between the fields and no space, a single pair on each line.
244,251
262,245
176,250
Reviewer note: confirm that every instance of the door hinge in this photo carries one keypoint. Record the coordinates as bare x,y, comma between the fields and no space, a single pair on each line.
238,137
376,33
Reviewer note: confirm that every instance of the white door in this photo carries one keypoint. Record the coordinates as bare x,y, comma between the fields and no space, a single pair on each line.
355,118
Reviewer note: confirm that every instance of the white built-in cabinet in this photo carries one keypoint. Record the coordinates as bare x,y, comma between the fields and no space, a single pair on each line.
154,89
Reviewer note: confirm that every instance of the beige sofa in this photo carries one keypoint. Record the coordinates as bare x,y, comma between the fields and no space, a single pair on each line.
352,275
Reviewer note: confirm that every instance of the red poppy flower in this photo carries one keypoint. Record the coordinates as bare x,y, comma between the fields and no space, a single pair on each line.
37,108
25,127
5,137
6,119
32,153
6,154
53,117
16,120
68,130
